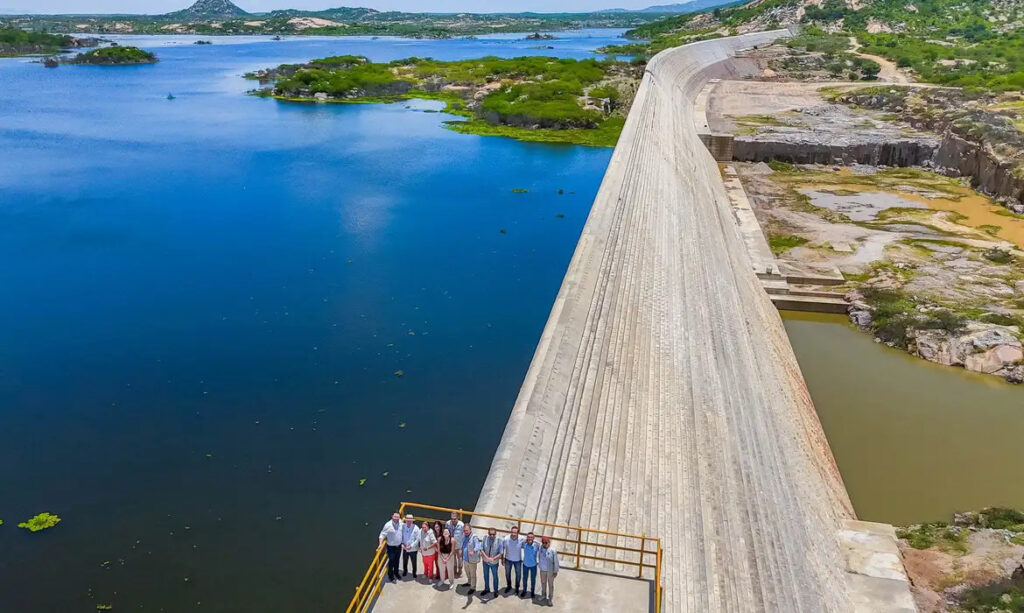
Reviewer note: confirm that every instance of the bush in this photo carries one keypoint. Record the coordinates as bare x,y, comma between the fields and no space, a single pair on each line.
999,256
944,320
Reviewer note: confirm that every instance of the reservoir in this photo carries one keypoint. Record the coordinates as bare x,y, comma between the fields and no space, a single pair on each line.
914,441
237,333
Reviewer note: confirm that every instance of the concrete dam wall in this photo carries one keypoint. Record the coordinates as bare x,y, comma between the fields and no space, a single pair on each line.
664,397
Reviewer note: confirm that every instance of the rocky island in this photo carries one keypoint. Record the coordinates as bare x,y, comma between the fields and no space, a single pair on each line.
15,42
529,98
114,56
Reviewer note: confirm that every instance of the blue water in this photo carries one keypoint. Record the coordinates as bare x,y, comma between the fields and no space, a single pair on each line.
204,304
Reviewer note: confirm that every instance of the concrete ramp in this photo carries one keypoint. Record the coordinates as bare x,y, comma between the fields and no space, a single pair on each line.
664,397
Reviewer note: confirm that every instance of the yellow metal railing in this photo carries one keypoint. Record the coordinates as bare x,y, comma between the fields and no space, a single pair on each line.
583,549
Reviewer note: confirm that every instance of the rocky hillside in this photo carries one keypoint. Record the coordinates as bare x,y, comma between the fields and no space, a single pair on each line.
968,43
209,9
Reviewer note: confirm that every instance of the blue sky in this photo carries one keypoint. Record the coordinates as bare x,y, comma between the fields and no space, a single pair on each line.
475,6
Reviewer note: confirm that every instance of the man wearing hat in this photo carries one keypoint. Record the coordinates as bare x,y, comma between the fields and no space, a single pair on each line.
410,544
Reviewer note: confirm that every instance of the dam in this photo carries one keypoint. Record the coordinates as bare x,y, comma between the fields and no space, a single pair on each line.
664,400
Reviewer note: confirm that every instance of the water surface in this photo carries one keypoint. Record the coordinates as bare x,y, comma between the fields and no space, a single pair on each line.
914,441
206,302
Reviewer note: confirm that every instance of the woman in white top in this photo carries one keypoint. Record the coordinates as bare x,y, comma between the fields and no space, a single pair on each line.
428,550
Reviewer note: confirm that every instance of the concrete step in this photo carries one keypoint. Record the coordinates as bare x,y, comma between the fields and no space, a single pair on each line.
813,304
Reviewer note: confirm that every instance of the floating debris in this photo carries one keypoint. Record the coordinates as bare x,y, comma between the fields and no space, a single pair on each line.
560,192
399,373
40,522
503,231
560,215
401,425
104,607
385,474
519,190
362,482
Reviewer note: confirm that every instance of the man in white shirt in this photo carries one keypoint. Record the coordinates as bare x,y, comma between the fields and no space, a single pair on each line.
410,544
391,534
513,559
456,527
547,563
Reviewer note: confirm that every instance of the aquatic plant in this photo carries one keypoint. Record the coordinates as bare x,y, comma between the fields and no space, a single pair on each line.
40,522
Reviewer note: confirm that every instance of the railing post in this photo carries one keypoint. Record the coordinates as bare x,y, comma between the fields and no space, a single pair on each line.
643,547
579,542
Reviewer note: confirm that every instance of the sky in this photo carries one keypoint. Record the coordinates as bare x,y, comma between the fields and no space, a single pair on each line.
433,6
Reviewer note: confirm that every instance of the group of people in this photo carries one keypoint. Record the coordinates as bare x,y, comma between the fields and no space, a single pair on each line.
450,548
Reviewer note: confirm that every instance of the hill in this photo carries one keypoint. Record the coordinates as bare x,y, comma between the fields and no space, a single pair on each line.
209,9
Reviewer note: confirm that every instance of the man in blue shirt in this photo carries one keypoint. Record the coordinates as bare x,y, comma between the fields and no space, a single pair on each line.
513,559
491,549
410,545
470,556
530,550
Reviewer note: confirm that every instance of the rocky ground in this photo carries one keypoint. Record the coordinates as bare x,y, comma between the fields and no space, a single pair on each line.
973,564
931,265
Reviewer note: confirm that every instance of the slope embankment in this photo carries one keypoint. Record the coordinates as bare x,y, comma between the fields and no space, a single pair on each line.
664,397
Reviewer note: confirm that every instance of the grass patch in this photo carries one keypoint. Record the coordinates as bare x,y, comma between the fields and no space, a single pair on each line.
782,244
780,166
951,539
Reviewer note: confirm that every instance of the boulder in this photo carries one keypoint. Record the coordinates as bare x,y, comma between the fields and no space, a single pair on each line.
937,346
1013,374
994,359
861,319
986,336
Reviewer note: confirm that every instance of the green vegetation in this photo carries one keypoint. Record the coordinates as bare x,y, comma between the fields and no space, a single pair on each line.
15,41
951,539
530,98
997,255
40,522
892,315
114,56
342,21
782,244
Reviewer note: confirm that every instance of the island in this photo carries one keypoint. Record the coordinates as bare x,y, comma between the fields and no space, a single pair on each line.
529,98
15,42
113,56
539,36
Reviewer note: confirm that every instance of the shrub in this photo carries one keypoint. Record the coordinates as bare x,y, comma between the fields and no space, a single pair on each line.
944,320
998,255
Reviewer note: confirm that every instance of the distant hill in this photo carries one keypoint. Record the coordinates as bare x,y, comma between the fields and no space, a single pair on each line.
693,6
209,9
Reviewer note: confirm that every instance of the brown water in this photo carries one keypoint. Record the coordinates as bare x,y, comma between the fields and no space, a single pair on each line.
914,441
863,203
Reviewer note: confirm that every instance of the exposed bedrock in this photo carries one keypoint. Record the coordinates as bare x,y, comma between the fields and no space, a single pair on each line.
903,152
987,173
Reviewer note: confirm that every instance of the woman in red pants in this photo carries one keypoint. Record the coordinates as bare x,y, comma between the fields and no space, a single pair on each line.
428,551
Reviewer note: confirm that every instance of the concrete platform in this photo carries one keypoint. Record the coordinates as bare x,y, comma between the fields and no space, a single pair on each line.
574,591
